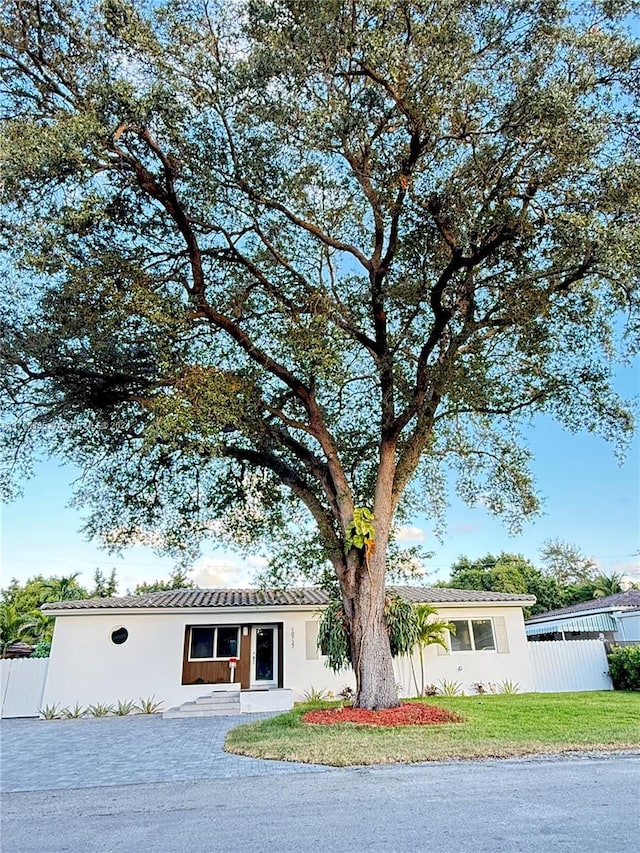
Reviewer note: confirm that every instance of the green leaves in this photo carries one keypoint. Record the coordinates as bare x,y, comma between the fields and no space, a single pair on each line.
361,533
401,621
254,253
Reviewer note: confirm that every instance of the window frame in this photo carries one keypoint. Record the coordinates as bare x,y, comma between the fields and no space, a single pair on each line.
470,620
214,629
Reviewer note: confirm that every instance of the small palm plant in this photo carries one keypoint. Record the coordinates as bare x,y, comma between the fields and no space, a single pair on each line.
50,712
430,632
122,709
73,713
100,709
450,688
148,706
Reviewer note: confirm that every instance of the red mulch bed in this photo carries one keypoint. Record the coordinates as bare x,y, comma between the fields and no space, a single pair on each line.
407,714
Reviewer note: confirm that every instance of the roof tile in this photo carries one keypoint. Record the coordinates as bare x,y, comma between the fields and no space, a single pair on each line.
311,596
618,601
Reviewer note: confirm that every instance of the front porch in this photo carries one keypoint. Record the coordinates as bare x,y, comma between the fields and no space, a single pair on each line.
229,700
245,656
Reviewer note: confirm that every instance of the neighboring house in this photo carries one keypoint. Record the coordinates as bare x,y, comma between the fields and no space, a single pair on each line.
615,618
181,644
17,650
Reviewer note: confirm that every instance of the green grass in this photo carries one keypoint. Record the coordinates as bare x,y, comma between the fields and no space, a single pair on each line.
495,727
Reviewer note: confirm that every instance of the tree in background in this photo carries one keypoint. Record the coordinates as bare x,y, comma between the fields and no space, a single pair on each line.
566,563
14,626
63,588
604,585
27,596
278,264
510,573
513,573
21,605
104,587
178,579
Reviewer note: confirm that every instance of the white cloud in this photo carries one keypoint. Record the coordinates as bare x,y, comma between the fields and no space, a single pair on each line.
629,568
223,572
410,534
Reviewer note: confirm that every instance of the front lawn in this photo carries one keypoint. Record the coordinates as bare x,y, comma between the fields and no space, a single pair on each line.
493,727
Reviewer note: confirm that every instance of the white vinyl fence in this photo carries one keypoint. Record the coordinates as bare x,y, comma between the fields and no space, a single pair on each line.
563,666
22,685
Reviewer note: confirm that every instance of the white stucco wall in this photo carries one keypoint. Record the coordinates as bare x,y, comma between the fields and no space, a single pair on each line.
86,667
469,668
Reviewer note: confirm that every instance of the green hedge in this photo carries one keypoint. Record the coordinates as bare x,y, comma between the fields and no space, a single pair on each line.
624,667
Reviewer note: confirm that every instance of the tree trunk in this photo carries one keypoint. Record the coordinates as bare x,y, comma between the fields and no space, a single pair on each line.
370,650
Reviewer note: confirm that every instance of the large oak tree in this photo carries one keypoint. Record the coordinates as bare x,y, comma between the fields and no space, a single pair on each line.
282,255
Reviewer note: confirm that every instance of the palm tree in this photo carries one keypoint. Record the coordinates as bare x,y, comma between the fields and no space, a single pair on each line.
13,626
430,632
40,626
63,588
605,585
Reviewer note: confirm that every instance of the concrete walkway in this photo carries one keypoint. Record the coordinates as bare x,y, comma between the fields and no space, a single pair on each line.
40,755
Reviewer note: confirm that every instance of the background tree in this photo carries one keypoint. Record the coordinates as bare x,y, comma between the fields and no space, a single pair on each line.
63,588
14,626
566,563
178,579
604,585
510,573
103,587
27,596
21,606
286,256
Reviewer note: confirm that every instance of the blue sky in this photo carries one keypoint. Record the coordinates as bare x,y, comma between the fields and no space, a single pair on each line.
590,500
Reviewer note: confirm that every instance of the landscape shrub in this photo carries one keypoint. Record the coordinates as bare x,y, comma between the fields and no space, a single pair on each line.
624,667
41,650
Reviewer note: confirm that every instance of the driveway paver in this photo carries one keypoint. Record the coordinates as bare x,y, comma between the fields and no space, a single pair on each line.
39,755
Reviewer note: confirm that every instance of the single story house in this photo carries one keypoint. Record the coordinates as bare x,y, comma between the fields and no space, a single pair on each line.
181,644
615,618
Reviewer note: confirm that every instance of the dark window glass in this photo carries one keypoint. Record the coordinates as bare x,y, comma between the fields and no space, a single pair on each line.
119,636
227,643
461,640
483,635
202,642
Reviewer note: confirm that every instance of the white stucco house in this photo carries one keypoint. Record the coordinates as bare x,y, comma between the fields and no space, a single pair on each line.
615,618
183,644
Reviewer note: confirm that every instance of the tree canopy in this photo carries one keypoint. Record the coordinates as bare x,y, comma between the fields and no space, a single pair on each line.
20,614
510,573
568,578
278,262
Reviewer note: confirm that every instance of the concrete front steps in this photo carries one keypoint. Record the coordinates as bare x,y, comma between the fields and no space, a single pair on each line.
223,703
228,700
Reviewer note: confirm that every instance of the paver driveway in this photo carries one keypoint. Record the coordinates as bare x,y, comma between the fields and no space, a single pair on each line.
40,755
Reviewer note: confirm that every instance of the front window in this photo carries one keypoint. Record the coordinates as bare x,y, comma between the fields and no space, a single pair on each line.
227,642
210,642
473,635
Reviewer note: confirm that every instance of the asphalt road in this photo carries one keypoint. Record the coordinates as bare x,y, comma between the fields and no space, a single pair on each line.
558,805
